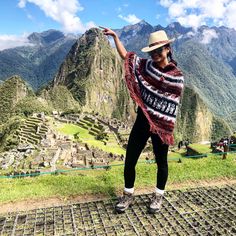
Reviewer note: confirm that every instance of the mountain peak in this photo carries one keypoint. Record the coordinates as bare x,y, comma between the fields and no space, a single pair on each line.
46,37
143,22
174,25
178,28
16,78
90,37
138,28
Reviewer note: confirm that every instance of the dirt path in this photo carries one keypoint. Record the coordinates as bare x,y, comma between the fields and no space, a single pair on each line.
52,202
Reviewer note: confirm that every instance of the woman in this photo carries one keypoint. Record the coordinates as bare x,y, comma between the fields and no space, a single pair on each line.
156,86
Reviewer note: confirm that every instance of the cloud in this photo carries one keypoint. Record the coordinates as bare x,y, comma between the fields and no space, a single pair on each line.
166,3
63,12
208,35
230,14
191,34
12,41
191,20
131,18
195,13
120,8
176,10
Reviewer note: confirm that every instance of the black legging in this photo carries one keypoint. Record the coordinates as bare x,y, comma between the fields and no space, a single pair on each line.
137,141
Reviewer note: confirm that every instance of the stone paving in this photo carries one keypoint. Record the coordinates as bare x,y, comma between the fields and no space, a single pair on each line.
196,211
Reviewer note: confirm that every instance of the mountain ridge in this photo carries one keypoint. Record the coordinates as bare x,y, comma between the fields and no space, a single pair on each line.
38,63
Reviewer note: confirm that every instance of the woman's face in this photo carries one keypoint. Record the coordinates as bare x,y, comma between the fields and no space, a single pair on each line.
159,55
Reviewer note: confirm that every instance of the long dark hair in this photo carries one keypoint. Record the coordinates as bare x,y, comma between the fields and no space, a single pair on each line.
169,55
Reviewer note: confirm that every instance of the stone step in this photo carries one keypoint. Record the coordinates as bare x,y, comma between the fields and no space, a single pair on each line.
28,137
95,130
33,126
23,135
31,141
86,122
37,136
35,119
43,129
36,141
28,130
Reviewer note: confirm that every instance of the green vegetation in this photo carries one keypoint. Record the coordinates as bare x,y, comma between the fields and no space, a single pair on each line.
109,182
28,130
86,137
11,91
122,100
211,79
220,129
231,119
30,105
37,64
178,154
200,148
60,99
187,115
7,130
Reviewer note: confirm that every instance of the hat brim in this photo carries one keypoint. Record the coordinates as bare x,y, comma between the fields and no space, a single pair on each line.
149,49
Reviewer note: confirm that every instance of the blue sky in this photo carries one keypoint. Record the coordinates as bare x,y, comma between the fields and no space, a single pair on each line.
19,18
31,17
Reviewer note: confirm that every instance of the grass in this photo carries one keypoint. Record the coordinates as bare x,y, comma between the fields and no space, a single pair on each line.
85,137
177,154
109,182
200,148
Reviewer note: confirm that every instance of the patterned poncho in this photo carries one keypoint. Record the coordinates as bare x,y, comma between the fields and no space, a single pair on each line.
156,91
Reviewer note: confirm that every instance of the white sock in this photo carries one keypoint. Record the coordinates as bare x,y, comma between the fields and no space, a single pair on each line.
129,190
159,191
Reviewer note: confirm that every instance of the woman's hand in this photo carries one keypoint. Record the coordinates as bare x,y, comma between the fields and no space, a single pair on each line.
107,31
119,46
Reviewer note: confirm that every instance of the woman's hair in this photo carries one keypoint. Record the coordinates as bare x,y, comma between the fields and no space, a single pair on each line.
169,55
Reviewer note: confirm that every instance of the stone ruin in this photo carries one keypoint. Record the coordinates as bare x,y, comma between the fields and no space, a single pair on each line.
16,158
56,148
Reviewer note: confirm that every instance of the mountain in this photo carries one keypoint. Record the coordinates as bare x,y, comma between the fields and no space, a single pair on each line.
195,120
38,63
59,98
17,98
135,37
90,74
132,36
45,38
207,58
223,47
210,77
11,92
93,73
91,79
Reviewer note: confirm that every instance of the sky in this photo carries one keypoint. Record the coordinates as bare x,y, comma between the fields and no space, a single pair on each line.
19,18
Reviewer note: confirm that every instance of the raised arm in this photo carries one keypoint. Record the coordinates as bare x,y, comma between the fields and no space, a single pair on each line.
119,46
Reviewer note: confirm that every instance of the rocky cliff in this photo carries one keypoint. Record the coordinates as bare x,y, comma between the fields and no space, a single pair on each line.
38,63
11,92
195,120
93,73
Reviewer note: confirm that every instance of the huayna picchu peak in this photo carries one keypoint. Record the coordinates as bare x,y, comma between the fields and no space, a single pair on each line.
93,73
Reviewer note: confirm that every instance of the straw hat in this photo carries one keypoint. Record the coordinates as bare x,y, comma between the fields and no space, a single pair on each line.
156,40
